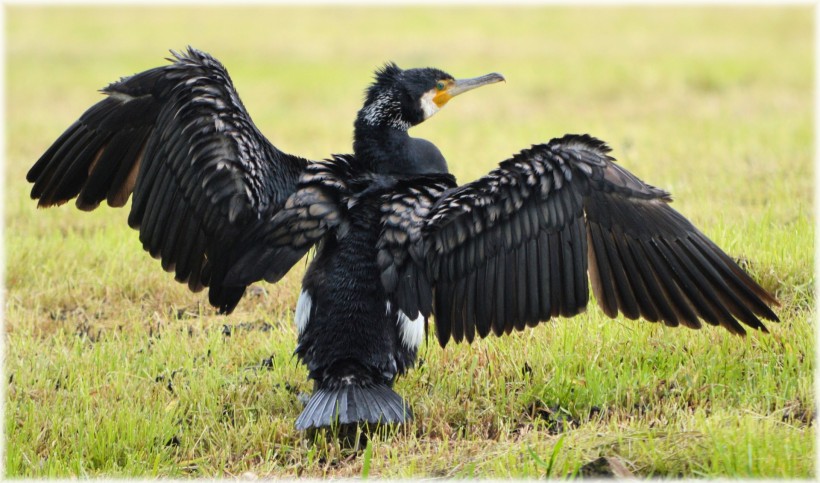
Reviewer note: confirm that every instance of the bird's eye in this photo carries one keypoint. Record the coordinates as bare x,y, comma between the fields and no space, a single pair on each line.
440,86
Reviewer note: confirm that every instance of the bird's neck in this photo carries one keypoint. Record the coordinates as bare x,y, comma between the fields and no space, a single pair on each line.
378,144
382,145
383,110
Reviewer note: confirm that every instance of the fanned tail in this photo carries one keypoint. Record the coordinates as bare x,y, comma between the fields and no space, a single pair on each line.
351,403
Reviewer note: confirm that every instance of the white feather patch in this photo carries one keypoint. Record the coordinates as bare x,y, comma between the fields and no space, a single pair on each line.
303,306
120,96
384,110
428,105
411,331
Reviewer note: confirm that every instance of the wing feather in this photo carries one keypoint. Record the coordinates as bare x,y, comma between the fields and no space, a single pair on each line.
544,279
201,174
654,282
532,285
316,207
521,291
456,301
515,248
402,250
483,307
556,288
580,265
643,302
104,171
469,306
703,295
499,315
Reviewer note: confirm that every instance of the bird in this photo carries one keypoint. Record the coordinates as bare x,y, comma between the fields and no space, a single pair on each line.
396,241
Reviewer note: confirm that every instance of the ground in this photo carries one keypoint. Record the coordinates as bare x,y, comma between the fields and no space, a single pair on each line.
113,369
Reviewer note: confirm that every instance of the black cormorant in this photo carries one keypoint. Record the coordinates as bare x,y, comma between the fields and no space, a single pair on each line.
397,240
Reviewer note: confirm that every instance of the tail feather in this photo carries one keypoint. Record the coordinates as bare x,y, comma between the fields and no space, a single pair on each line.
352,403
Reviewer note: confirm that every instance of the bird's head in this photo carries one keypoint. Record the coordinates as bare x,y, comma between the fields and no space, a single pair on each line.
403,98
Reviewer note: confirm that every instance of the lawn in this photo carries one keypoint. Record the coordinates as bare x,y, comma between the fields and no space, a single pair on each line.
113,369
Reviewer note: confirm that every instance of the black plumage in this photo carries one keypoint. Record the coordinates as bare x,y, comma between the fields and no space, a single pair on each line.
397,240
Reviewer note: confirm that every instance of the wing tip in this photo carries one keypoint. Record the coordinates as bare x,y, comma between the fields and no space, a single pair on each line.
587,140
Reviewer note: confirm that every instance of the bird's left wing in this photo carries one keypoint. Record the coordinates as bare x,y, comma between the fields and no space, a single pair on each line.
318,205
179,138
516,247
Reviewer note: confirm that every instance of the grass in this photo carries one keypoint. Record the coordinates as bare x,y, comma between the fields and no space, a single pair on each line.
113,369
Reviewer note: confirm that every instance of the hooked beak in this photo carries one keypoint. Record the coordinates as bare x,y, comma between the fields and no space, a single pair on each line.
461,86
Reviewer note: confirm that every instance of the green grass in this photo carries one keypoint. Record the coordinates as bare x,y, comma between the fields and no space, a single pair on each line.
113,369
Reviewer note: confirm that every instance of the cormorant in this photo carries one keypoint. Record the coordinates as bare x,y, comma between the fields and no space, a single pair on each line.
396,239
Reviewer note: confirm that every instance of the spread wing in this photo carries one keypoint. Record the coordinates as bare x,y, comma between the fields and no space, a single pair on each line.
318,205
515,248
401,247
202,175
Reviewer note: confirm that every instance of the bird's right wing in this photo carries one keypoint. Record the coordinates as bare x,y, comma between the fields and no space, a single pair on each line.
402,250
514,248
201,173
